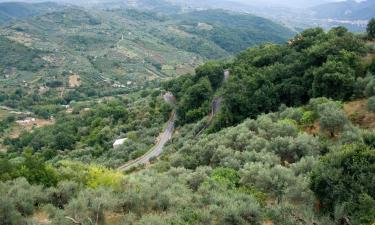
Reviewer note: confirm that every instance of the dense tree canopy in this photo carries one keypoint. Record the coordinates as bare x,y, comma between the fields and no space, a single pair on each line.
344,180
313,64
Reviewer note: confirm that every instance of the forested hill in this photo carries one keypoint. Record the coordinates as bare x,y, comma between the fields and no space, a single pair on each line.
314,64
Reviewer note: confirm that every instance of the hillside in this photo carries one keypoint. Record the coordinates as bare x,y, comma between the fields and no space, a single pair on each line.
99,52
10,11
225,29
271,75
127,117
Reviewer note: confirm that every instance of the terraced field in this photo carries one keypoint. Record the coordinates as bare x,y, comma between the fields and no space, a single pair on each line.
119,50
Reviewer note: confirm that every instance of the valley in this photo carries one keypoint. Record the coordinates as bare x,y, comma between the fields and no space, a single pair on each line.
155,112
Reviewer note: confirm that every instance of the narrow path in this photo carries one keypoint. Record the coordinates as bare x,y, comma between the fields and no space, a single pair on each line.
62,92
164,137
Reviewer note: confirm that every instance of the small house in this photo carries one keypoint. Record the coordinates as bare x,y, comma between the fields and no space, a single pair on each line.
119,142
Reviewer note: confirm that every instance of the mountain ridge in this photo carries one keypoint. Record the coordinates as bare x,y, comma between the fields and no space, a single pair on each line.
346,10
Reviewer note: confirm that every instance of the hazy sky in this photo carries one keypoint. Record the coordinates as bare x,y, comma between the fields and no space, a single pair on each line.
289,3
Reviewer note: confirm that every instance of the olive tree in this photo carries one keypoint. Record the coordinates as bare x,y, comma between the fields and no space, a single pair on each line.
273,180
63,193
18,200
89,206
332,118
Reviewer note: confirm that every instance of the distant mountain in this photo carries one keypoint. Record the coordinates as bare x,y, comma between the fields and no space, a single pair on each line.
346,10
233,32
285,3
19,10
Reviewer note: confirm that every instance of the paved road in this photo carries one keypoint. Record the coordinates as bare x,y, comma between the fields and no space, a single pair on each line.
158,148
215,107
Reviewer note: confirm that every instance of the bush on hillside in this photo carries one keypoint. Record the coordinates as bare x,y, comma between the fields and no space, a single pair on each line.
371,104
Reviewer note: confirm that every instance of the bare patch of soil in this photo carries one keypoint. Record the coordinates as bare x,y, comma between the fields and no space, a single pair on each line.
41,218
268,222
74,81
29,126
359,115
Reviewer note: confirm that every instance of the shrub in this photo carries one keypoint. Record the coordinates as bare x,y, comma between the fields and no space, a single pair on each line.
372,66
61,195
371,104
19,199
370,88
269,179
332,118
240,210
226,177
90,175
308,117
369,138
90,205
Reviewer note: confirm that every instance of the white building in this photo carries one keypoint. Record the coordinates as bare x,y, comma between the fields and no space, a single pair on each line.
119,142
26,121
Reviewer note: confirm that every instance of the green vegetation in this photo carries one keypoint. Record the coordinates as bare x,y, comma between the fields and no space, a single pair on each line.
87,134
278,141
343,183
77,54
257,171
371,28
19,56
233,32
10,11
332,119
372,66
371,104
270,75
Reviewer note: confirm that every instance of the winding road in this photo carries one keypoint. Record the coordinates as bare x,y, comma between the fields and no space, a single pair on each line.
215,106
167,133
162,140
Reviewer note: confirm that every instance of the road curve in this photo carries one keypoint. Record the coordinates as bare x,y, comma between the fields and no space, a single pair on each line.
215,106
162,140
